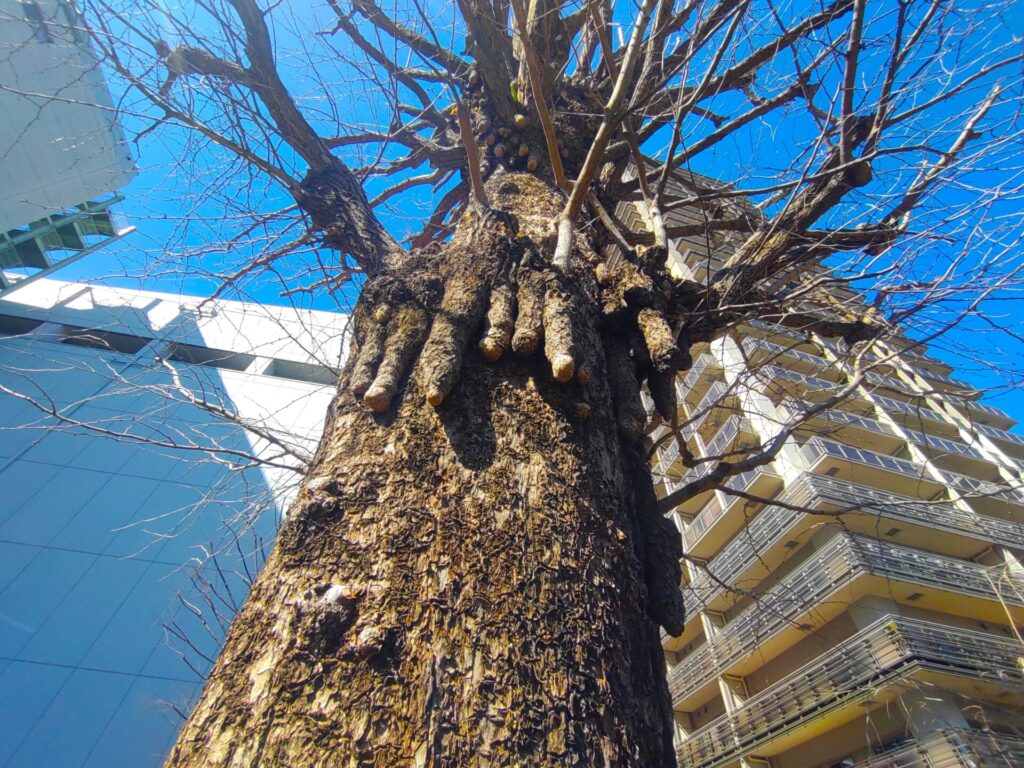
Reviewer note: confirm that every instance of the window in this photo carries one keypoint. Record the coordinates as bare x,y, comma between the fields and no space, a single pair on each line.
34,16
309,372
17,326
213,358
108,340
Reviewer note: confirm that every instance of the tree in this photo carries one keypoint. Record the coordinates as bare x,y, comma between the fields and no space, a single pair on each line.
477,565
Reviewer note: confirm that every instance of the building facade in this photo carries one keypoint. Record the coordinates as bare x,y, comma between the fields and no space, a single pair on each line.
857,600
148,446
62,151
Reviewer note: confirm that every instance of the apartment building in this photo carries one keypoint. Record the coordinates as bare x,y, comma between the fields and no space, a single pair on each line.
61,149
148,446
858,600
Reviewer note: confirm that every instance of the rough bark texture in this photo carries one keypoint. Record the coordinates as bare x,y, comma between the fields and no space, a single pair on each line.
461,585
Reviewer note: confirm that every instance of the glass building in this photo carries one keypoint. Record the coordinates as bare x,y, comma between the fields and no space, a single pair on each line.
148,445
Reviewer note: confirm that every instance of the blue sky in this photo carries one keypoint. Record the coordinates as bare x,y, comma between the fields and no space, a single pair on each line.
165,202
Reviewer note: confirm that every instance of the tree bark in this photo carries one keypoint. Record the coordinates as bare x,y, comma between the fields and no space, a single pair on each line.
455,586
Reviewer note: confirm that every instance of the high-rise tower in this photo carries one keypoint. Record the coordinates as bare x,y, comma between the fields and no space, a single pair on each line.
62,151
853,601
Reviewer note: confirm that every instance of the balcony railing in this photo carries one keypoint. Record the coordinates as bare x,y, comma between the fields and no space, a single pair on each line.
812,383
752,345
721,443
792,408
699,367
952,748
818,448
807,382
969,487
990,750
820,575
1000,434
768,528
724,438
837,564
954,447
707,403
888,650
972,487
812,492
984,408
714,510
910,409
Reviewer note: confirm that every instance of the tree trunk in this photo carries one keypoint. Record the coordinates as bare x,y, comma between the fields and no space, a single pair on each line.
455,586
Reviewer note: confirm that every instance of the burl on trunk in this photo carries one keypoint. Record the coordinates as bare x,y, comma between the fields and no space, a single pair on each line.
470,583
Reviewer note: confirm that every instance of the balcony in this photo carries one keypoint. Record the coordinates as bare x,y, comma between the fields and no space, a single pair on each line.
717,522
804,362
749,557
952,748
907,477
845,426
808,384
833,687
840,573
997,417
864,431
698,377
877,469
1000,434
734,436
807,362
911,413
712,410
951,447
987,497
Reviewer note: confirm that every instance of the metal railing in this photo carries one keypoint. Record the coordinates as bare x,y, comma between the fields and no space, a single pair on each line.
821,574
793,408
717,446
700,365
812,492
807,380
714,510
818,448
910,409
842,560
707,403
983,407
999,434
751,345
973,487
724,437
954,447
889,649
952,748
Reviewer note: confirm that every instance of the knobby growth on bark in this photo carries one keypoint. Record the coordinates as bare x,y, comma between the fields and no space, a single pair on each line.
477,566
